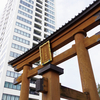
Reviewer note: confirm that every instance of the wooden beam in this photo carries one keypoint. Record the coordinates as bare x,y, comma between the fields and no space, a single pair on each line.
89,42
68,93
86,23
17,80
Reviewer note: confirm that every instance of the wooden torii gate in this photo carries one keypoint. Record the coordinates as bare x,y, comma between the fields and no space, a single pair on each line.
51,89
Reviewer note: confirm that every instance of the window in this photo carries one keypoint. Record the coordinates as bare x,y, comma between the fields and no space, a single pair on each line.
25,14
33,91
26,4
47,1
8,73
45,35
39,1
33,80
37,32
24,20
38,21
48,30
52,0
38,10
15,55
50,16
22,32
23,26
49,6
18,87
19,47
38,15
39,6
6,84
21,40
9,97
46,24
25,9
34,44
37,26
49,20
4,97
36,39
12,86
30,1
49,11
12,74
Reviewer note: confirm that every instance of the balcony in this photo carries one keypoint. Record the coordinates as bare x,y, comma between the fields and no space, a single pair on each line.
37,32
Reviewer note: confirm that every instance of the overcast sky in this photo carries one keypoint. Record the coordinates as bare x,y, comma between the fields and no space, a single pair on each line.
65,11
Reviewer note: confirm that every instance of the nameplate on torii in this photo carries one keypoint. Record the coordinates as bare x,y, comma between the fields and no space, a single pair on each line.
45,53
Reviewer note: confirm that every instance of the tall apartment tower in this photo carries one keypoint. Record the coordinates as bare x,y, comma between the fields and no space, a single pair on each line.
24,24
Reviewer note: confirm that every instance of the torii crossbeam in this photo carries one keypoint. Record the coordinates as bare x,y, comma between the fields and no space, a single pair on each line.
76,30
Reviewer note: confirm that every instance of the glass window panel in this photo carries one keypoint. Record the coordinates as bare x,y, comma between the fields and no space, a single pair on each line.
13,45
12,74
19,48
8,73
20,39
23,26
10,85
27,42
16,98
14,87
15,76
19,74
19,24
8,97
22,48
6,84
25,49
23,41
14,37
25,34
12,98
21,32
15,55
16,46
4,97
18,87
11,54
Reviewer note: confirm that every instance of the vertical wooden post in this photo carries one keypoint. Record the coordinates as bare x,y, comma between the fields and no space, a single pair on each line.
51,72
53,86
86,73
25,84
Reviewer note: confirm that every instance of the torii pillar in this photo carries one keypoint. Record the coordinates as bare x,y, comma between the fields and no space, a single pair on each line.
24,94
86,73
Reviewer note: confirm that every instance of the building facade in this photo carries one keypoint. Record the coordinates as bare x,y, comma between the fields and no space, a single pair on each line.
24,24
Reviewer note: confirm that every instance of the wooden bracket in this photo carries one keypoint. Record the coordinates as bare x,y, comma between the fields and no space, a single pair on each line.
42,85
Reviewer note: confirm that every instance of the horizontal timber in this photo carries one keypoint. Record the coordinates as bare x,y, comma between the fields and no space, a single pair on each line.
68,93
89,42
87,20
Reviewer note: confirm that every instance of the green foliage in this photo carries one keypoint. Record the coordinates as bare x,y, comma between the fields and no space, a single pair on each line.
98,88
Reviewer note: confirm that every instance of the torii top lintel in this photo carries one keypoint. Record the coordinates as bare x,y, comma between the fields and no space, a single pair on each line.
86,20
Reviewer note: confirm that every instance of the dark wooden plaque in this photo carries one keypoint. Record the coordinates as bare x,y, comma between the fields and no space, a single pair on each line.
45,53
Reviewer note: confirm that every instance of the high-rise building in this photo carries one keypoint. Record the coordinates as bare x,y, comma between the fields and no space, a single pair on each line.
24,24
